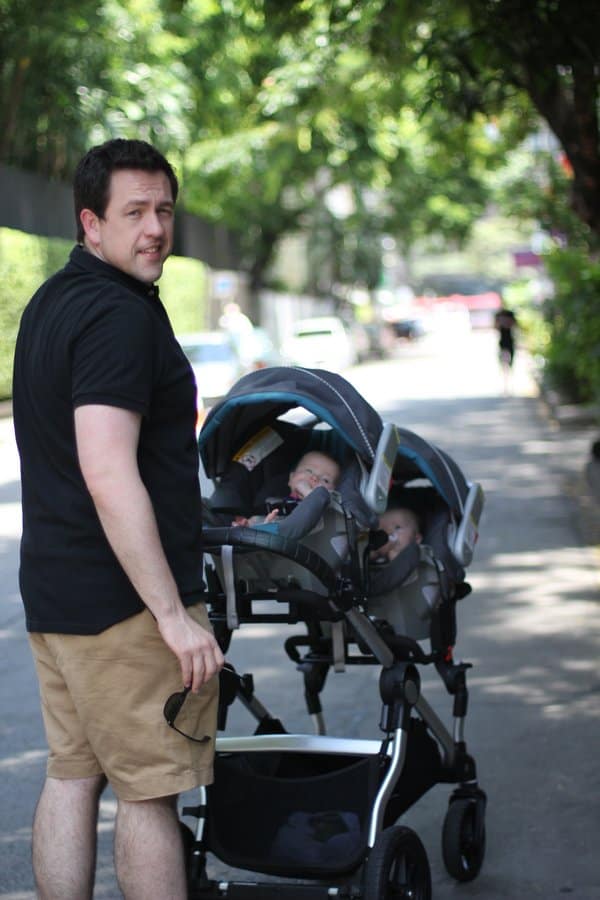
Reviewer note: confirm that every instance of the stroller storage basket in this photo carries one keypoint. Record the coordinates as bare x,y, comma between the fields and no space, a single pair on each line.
302,815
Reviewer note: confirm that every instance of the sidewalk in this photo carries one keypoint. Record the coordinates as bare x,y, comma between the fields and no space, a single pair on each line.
531,628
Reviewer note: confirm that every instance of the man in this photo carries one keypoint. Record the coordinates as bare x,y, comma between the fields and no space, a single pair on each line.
111,566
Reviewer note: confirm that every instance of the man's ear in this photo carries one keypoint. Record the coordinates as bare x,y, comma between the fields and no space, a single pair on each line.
90,223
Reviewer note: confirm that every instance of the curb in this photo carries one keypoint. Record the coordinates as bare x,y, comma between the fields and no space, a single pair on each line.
569,414
586,486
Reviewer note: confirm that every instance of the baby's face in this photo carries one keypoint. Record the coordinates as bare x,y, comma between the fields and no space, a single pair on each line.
400,526
313,470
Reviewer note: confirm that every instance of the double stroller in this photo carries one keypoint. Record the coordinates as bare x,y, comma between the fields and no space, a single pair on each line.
320,812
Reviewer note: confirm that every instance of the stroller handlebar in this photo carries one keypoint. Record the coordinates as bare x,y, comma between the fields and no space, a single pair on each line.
253,539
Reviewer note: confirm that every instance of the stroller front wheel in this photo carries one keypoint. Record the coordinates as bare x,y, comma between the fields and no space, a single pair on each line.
463,839
397,867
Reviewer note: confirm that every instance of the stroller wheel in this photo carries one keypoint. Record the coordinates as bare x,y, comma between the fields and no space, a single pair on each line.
397,867
463,839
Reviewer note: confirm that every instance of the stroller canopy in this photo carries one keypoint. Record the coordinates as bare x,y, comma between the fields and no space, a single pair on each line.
260,397
417,458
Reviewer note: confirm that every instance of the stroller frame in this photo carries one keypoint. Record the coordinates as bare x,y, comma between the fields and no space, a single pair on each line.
388,857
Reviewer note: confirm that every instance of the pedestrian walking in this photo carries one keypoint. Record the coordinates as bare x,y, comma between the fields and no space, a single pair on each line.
505,322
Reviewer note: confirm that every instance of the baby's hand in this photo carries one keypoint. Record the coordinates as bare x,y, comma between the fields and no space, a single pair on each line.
391,549
270,517
240,520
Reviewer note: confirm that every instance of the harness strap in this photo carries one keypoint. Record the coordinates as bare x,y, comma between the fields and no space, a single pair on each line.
338,646
229,578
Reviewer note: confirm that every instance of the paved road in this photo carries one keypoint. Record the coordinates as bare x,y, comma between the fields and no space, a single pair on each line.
530,628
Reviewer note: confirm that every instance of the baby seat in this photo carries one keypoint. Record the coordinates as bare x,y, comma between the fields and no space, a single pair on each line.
424,579
256,482
283,791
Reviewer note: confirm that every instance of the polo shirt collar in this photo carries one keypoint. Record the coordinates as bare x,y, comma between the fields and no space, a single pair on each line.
83,259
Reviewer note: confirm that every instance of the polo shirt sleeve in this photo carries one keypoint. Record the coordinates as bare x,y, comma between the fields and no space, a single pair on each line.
112,358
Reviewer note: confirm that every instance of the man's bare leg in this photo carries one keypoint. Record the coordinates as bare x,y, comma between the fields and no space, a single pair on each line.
149,856
64,838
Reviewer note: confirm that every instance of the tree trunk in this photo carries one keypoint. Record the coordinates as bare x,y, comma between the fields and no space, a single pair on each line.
574,121
264,254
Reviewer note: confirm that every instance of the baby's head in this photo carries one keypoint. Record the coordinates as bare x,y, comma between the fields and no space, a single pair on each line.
401,525
314,469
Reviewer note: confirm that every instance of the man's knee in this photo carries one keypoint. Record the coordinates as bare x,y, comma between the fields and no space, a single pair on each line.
168,800
158,805
91,787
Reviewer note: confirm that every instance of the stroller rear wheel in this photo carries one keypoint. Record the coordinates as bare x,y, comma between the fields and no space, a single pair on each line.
397,867
463,839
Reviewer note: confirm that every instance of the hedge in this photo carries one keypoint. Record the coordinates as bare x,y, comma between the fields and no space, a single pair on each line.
572,315
27,260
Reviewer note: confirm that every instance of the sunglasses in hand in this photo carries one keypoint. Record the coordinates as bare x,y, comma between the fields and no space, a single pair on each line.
172,709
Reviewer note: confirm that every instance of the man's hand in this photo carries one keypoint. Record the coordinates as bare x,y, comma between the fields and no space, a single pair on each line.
196,649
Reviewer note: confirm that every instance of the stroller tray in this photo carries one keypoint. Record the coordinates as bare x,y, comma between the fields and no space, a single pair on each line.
303,815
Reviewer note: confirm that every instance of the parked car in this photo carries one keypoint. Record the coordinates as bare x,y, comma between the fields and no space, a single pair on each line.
215,362
321,343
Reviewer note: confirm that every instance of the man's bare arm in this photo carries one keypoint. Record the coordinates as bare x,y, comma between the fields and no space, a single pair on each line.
107,440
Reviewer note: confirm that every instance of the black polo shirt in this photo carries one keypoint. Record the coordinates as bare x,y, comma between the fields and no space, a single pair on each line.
94,335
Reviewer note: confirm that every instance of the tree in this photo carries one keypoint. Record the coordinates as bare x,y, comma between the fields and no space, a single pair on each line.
48,54
296,103
493,56
266,105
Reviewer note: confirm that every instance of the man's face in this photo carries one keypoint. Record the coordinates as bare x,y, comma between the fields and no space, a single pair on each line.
136,233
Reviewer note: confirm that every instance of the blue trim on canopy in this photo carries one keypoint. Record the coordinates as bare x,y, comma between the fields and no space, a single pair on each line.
277,397
427,471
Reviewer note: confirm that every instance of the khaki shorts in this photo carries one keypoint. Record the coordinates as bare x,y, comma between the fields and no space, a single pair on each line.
102,701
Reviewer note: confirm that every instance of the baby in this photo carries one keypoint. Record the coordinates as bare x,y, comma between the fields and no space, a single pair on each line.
402,528
312,470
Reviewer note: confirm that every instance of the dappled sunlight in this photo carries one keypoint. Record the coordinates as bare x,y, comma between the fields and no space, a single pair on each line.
27,758
553,697
539,448
563,567
18,836
17,895
579,665
575,708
